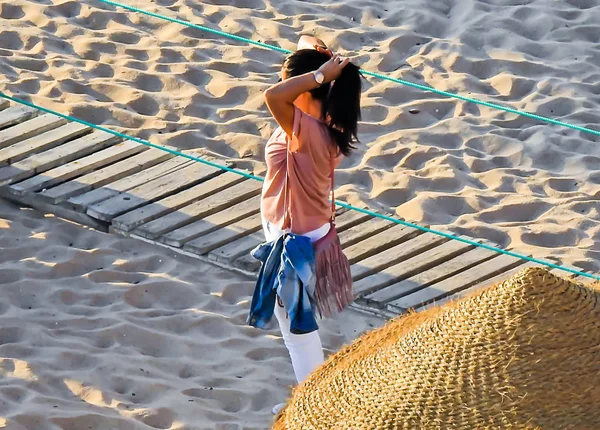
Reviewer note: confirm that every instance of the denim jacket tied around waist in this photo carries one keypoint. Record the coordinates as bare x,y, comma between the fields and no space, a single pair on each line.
288,271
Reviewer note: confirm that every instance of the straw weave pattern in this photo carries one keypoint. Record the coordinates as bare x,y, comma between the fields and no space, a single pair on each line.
523,354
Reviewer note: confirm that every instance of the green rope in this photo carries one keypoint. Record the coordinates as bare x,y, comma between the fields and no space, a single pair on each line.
480,102
365,72
338,203
470,242
135,139
199,27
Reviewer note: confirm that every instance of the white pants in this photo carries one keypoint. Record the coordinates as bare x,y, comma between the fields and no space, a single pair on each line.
305,350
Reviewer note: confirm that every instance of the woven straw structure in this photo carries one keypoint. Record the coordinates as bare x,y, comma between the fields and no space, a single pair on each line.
523,354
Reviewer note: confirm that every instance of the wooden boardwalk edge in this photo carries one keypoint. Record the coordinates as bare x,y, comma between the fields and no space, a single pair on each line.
359,304
59,211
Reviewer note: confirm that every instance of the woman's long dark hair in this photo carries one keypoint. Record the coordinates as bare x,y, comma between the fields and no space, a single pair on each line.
341,102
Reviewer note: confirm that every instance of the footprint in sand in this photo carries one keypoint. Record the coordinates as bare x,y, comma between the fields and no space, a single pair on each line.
565,185
116,276
225,399
11,335
161,294
68,9
8,11
161,418
516,212
8,276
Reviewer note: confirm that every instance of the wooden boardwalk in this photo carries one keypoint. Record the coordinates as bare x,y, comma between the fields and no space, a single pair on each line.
95,178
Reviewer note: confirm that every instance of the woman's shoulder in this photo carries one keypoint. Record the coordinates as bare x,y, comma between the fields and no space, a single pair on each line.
312,128
308,119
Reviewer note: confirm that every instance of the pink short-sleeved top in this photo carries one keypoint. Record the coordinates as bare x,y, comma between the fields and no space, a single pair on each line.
312,158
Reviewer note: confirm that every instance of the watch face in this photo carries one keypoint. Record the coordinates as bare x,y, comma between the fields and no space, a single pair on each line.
319,77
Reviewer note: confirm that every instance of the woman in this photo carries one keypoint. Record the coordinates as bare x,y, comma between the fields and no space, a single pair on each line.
318,121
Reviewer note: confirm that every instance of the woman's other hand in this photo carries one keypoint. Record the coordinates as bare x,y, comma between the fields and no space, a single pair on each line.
332,69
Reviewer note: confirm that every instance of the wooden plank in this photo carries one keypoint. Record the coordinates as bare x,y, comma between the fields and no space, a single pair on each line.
438,273
349,219
559,272
81,202
232,232
43,142
395,255
16,114
583,280
421,262
458,282
494,280
31,128
106,175
153,190
579,279
201,209
78,167
364,230
54,157
247,263
568,275
239,248
379,242
211,223
145,214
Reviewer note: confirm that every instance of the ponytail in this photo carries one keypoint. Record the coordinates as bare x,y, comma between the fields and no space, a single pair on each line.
340,101
342,108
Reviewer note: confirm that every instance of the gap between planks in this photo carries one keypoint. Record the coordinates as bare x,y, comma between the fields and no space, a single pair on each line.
153,190
155,210
106,175
81,202
458,282
200,209
52,158
73,169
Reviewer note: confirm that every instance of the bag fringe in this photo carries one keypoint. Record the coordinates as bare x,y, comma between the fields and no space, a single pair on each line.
333,289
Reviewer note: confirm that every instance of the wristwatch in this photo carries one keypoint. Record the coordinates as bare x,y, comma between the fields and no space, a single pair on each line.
319,77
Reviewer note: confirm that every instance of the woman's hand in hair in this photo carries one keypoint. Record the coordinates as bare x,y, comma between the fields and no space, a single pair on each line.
280,98
332,69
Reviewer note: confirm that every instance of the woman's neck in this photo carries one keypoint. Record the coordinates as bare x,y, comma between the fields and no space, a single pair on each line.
310,106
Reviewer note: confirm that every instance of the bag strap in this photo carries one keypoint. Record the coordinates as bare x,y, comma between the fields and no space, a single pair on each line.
287,216
332,191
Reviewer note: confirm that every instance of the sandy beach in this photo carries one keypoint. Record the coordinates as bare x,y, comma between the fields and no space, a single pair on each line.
102,332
